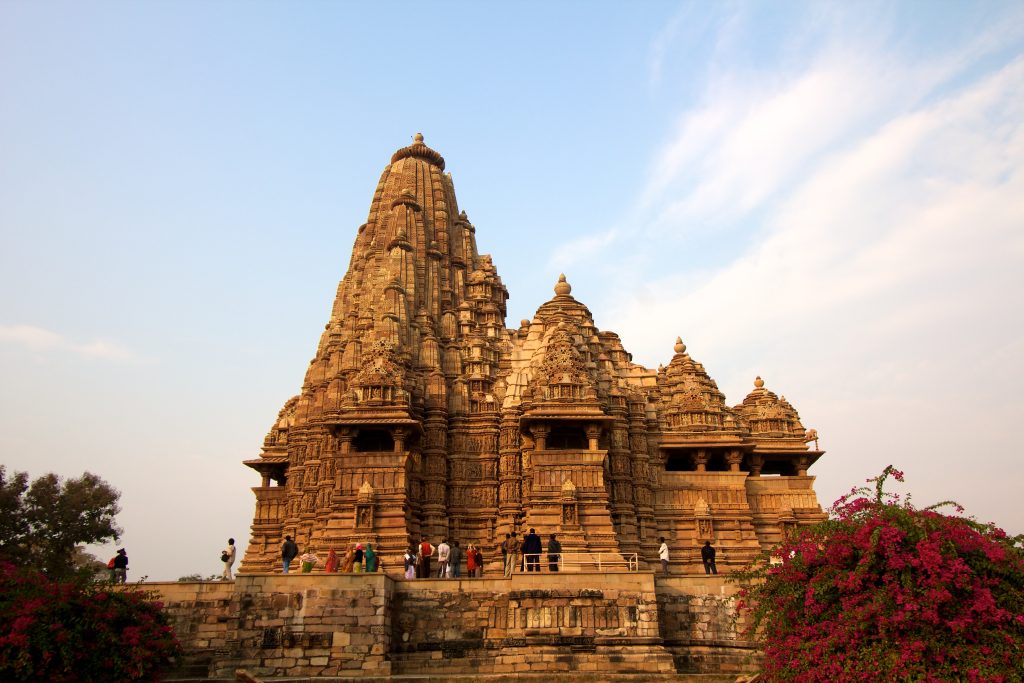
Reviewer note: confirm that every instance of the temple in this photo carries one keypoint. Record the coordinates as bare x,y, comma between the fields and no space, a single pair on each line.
423,414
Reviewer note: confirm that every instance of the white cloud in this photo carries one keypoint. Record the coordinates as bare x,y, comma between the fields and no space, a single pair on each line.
881,283
37,339
579,250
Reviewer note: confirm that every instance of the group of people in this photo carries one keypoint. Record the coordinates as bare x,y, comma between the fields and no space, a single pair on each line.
519,555
707,557
357,559
418,558
118,566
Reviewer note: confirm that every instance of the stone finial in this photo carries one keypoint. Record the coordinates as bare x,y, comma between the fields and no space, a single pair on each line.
417,139
562,288
758,382
680,347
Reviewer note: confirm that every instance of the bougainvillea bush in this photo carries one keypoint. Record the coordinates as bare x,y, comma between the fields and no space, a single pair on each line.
52,630
883,591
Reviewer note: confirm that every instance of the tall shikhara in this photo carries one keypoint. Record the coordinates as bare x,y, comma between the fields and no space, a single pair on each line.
423,414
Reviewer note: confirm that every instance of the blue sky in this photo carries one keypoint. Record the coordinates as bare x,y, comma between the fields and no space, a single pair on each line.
828,195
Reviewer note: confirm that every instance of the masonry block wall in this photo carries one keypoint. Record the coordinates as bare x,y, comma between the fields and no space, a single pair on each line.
373,625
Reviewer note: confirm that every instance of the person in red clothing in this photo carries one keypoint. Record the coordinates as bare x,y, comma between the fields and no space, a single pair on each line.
471,560
426,550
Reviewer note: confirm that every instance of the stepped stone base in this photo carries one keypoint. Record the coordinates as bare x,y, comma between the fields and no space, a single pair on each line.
369,626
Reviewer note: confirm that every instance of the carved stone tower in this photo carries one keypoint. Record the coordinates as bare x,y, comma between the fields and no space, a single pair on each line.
422,414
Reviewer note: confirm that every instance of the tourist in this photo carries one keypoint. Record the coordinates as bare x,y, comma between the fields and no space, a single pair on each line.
331,565
479,562
357,560
288,552
371,558
511,550
425,551
554,553
443,552
663,555
308,560
455,561
410,563
121,566
532,548
707,556
228,558
504,550
350,558
471,560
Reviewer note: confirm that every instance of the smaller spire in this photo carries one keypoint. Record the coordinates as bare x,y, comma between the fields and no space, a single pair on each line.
680,347
758,382
417,139
562,288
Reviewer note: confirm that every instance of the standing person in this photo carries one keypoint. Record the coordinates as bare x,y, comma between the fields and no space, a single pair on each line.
371,558
532,548
554,553
426,550
410,562
663,555
707,556
471,560
331,565
511,548
309,560
443,551
289,551
504,550
121,566
455,560
479,562
346,564
357,560
228,558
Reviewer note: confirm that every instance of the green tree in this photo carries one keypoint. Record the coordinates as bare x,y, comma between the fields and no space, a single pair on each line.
41,525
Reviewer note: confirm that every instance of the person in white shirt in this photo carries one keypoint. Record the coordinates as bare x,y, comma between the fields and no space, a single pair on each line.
228,557
663,555
443,551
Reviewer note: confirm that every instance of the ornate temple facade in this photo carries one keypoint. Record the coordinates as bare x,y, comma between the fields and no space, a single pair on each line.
423,414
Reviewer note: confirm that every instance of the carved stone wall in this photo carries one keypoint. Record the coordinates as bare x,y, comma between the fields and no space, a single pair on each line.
366,625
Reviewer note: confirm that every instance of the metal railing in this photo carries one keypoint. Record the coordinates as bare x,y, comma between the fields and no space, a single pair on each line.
579,562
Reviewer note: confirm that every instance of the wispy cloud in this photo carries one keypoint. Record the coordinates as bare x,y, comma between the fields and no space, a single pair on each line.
872,209
40,340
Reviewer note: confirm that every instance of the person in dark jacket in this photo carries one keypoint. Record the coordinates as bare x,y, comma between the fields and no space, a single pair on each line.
289,551
707,555
532,549
121,566
554,553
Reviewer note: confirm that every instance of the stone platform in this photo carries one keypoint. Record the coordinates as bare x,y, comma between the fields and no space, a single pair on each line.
369,626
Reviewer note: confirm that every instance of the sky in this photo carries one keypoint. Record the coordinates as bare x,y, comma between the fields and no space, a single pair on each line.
830,196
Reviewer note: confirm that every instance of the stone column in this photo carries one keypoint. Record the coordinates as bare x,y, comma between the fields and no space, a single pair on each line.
700,460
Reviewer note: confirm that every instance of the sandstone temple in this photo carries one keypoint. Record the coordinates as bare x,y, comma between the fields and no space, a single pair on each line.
423,414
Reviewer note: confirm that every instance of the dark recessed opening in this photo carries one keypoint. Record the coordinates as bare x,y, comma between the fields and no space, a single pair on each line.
567,438
370,440
678,461
716,462
778,467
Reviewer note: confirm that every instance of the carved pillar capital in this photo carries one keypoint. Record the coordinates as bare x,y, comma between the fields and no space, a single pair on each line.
540,434
700,459
734,458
